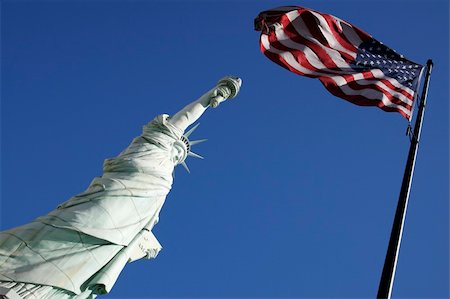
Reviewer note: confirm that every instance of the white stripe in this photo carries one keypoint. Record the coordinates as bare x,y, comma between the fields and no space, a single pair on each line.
374,95
302,30
380,75
371,94
384,87
393,92
339,80
327,33
340,62
312,58
359,78
353,37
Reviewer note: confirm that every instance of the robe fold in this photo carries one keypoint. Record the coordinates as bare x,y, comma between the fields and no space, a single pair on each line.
79,249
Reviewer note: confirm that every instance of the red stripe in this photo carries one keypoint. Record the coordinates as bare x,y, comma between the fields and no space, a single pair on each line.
279,60
338,35
391,86
297,54
353,84
301,59
369,76
336,90
290,31
312,23
360,100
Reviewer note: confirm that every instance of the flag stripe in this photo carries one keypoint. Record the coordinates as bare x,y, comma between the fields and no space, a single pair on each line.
350,63
290,43
307,59
337,31
332,41
287,60
361,100
296,29
341,80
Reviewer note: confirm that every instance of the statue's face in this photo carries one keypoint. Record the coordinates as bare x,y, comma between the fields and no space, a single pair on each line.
179,152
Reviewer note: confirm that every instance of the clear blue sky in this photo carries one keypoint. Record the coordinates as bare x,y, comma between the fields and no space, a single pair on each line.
298,190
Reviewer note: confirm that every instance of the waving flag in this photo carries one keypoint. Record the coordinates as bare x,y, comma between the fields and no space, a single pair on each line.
350,63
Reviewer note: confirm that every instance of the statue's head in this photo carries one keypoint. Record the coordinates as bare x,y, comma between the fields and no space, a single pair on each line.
179,151
182,148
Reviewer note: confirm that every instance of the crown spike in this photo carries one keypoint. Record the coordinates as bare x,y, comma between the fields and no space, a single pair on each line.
194,142
185,166
191,130
192,154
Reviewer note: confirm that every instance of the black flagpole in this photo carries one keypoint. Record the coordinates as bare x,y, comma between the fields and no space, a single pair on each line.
390,262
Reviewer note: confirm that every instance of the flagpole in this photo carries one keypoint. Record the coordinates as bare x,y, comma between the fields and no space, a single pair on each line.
390,262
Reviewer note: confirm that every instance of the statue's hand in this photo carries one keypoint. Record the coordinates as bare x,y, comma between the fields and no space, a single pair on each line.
226,88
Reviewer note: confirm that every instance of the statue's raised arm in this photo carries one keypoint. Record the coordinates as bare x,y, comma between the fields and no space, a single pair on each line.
226,88
79,249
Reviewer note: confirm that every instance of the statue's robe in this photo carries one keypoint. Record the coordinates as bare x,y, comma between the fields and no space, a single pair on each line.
79,249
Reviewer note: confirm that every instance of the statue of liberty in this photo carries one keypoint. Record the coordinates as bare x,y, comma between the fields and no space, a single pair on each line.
79,249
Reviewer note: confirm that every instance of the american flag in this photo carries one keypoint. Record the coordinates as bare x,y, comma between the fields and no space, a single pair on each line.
350,63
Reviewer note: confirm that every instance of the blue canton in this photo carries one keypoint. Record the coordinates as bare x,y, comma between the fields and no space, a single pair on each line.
373,54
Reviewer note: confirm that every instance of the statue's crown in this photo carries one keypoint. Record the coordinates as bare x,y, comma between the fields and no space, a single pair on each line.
186,144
